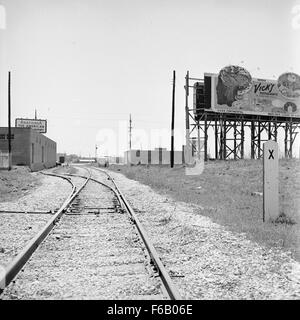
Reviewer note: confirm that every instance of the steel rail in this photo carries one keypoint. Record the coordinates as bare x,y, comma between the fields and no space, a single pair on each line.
102,183
19,261
166,279
63,177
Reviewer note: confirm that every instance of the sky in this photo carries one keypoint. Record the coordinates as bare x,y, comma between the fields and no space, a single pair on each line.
85,65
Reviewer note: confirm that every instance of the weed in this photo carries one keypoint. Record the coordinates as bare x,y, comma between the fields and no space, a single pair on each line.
229,199
283,218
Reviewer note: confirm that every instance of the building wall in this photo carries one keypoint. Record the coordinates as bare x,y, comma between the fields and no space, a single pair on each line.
131,157
19,142
115,160
44,151
154,157
136,157
29,148
166,157
143,157
178,157
110,160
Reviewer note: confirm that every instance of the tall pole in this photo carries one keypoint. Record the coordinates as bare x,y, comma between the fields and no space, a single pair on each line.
187,120
286,140
35,114
130,128
9,125
96,147
216,140
172,124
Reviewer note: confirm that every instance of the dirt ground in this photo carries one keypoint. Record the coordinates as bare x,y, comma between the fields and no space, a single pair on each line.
17,182
231,194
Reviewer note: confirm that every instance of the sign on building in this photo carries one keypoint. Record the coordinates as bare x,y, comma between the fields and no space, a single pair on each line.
270,181
234,90
35,124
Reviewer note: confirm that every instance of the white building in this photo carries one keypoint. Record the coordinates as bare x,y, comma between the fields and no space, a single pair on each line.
110,160
156,156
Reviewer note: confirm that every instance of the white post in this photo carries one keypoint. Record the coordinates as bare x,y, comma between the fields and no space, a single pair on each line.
270,181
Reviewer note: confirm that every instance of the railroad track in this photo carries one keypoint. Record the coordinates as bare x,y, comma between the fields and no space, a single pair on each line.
97,250
19,261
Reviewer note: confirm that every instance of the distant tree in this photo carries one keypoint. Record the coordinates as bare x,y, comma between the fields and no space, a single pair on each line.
72,158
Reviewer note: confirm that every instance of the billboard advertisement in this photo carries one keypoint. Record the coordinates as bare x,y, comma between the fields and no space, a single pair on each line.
233,90
35,124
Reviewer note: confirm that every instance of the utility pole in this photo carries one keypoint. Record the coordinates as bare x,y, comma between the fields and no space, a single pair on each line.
130,129
96,147
172,123
187,157
9,125
35,114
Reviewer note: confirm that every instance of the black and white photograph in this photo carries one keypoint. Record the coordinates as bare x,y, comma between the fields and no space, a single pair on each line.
149,153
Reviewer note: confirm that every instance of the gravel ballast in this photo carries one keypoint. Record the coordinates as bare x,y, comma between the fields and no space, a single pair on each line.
94,252
18,228
49,196
205,260
96,256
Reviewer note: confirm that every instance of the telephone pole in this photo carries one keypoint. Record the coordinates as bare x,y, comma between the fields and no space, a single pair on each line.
130,131
96,147
172,123
187,156
9,125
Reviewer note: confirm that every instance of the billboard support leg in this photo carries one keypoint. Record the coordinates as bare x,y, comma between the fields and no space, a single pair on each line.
258,140
272,130
252,139
216,139
198,140
286,140
224,139
221,139
291,140
205,137
234,141
242,139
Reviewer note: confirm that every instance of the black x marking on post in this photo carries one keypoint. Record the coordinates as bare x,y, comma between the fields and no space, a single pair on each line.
271,156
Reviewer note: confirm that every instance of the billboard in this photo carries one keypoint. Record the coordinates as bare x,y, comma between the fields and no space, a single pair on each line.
233,90
35,124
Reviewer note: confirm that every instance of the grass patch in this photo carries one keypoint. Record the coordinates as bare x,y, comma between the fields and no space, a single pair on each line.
16,183
283,218
230,192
